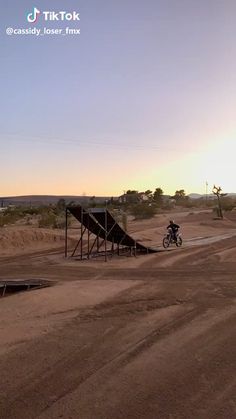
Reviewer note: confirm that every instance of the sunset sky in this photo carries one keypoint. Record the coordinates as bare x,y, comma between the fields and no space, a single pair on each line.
144,97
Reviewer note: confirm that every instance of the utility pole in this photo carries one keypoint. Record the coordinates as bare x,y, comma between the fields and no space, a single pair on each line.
206,192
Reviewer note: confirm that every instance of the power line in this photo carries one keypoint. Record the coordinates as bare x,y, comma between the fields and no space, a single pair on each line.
87,143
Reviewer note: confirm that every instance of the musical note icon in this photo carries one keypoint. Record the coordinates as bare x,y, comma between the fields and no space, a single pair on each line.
32,17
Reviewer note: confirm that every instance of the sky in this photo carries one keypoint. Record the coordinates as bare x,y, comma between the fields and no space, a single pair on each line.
143,97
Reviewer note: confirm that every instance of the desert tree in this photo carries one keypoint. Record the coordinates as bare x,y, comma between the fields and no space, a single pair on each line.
131,197
217,190
180,197
131,192
158,196
61,204
180,194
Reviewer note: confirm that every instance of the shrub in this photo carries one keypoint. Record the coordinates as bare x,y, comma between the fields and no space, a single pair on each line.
228,204
143,211
9,217
48,220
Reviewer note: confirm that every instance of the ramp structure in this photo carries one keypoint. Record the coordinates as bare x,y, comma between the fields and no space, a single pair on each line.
8,287
100,234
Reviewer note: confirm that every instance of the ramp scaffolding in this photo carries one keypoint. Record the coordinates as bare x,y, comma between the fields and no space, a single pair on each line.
100,234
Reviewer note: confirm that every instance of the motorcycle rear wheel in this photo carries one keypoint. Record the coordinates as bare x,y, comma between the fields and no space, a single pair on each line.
166,242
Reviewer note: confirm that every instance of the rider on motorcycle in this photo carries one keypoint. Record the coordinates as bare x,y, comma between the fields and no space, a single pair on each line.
174,229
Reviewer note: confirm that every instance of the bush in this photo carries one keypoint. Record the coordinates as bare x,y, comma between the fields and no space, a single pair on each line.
51,217
143,211
10,216
228,204
48,220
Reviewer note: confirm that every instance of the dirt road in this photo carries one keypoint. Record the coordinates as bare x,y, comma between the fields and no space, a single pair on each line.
151,337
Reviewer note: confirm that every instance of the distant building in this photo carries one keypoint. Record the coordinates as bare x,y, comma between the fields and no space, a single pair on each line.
139,197
168,200
133,198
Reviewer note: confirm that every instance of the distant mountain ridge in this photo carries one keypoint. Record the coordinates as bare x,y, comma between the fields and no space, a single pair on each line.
46,199
197,195
78,199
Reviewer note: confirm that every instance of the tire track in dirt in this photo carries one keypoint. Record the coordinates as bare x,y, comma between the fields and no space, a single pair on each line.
179,377
43,383
188,255
99,339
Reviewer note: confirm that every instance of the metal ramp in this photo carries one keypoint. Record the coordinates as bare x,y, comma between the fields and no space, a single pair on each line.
10,286
98,228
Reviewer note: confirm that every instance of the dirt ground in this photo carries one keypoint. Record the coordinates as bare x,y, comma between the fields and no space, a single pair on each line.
152,336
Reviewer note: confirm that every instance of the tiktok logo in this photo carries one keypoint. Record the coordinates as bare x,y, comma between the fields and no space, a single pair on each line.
50,15
32,17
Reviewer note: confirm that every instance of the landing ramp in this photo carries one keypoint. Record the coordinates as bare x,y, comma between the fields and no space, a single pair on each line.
101,223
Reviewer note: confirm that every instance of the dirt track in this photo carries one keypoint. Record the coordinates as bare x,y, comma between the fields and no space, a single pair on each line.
151,337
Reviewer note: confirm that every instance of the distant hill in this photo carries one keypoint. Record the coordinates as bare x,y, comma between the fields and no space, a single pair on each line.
36,200
195,195
198,196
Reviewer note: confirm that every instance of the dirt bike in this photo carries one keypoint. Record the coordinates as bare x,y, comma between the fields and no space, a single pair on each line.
170,239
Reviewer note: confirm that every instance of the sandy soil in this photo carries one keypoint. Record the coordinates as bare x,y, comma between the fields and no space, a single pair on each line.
146,337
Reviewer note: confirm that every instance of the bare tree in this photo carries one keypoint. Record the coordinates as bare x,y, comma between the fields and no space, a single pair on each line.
218,192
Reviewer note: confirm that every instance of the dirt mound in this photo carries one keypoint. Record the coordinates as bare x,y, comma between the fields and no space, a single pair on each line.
17,240
208,218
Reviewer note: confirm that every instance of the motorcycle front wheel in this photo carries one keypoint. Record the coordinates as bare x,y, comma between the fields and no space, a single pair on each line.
179,241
